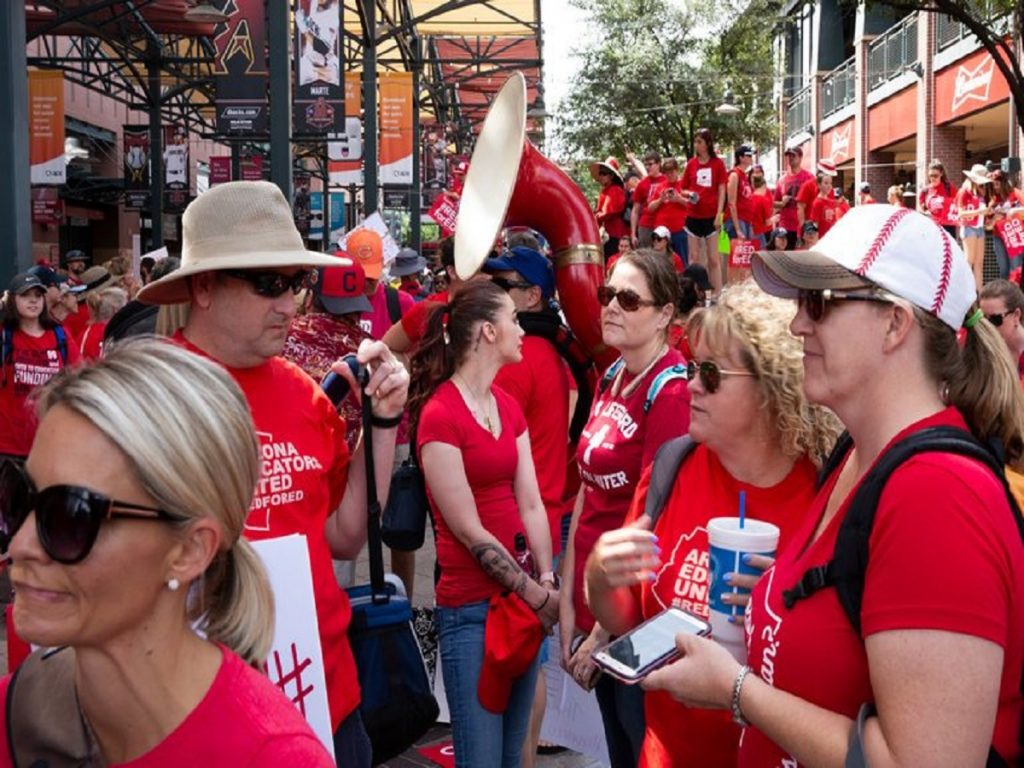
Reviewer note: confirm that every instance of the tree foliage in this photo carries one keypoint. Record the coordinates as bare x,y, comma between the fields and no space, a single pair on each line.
652,74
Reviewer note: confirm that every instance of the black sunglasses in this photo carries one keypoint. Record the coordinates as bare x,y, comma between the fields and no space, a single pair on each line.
507,285
710,374
68,517
997,319
629,299
270,285
816,301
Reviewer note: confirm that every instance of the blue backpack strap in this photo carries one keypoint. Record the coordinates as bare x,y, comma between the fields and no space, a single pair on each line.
7,345
613,369
677,371
62,342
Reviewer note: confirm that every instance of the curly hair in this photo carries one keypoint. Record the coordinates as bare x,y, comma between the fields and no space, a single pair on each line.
760,323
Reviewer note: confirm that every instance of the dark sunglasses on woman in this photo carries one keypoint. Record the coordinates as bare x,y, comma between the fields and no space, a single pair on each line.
270,285
997,319
816,301
629,299
710,374
68,517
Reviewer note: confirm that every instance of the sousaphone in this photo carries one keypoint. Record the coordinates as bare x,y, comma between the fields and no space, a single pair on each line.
510,183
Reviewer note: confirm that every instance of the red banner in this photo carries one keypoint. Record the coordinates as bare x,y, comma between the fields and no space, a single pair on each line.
1011,232
251,168
445,211
741,252
47,207
969,85
220,169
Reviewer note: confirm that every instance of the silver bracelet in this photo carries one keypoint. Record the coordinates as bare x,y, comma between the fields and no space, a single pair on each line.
737,686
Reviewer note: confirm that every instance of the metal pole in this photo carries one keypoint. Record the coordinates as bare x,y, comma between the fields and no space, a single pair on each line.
279,45
370,183
156,154
416,201
236,161
15,185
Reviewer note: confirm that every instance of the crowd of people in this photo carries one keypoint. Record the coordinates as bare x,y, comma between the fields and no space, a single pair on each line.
866,321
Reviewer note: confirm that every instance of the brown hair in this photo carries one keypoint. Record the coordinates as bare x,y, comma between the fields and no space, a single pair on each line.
449,338
705,135
658,271
11,318
1010,293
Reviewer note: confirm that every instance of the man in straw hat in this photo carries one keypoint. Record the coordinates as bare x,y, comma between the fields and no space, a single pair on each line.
242,262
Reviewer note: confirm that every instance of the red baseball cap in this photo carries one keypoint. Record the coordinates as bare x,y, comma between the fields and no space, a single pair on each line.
341,289
512,638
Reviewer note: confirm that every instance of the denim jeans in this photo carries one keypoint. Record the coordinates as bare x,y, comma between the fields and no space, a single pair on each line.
1006,264
351,744
622,712
481,738
746,229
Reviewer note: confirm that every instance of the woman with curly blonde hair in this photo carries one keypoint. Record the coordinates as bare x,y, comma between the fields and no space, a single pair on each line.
756,434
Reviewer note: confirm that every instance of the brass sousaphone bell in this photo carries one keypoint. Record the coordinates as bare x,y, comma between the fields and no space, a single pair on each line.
510,183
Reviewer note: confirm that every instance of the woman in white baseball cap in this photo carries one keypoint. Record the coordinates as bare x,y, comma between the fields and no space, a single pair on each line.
972,208
891,629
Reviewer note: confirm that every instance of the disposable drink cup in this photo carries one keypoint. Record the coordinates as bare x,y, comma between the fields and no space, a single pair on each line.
728,543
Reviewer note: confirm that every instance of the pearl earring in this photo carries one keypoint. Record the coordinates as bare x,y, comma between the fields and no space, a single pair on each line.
173,584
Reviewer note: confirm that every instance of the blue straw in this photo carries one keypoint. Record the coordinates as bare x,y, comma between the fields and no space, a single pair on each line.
743,508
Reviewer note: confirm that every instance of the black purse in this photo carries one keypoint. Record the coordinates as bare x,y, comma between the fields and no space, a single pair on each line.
404,524
398,704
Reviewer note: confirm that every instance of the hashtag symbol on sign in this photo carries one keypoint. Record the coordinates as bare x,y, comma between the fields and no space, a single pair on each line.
291,677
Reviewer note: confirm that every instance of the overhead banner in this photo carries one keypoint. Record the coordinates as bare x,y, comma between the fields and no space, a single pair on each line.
345,151
396,134
47,207
240,68
136,166
220,169
319,93
251,168
176,178
46,126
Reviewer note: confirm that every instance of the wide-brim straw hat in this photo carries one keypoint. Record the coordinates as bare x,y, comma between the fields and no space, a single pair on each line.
237,225
610,165
978,174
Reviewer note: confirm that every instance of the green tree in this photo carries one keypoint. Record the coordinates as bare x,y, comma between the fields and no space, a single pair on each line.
653,74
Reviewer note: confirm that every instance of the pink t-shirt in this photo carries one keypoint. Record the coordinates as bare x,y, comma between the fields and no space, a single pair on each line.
377,321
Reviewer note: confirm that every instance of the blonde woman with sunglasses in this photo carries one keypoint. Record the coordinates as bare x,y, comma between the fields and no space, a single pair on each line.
757,435
641,402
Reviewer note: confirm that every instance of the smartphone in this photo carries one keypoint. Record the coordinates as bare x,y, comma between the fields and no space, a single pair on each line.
642,650
336,386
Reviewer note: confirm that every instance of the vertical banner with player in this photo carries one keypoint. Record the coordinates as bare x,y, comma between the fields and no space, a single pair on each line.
241,68
136,166
318,88
300,208
396,130
345,150
46,126
176,176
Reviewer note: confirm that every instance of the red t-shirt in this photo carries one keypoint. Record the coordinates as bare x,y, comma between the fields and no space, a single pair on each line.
303,477
678,735
377,321
941,515
937,200
619,441
610,205
539,383
705,179
761,210
414,322
824,211
671,213
790,184
641,195
241,720
966,200
490,465
33,361
807,194
744,191
76,322
91,344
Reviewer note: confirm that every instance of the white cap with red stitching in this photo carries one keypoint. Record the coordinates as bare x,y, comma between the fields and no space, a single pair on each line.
897,249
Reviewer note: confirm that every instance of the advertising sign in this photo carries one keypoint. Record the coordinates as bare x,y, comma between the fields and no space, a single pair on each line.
251,168
396,129
46,126
220,169
136,166
345,150
968,86
240,68
47,207
839,144
319,94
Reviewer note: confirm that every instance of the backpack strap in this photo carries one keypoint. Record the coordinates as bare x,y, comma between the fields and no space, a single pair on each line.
664,376
6,353
609,375
667,461
62,342
394,307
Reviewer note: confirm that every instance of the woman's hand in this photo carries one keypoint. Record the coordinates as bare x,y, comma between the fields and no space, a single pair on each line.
703,677
581,666
548,611
624,557
746,581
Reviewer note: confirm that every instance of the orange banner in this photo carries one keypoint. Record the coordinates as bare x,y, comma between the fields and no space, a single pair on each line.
345,152
396,139
46,126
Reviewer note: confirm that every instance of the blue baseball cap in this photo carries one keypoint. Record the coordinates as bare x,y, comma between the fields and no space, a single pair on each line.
531,265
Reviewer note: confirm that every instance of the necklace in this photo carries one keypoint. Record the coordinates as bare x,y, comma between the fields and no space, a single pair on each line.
482,415
632,386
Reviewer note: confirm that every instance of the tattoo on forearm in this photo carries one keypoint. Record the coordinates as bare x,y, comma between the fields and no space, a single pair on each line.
499,566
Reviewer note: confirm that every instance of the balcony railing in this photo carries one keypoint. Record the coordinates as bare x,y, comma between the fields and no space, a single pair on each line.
949,31
798,111
892,54
838,88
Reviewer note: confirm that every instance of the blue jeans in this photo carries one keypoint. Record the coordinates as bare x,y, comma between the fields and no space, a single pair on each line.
746,229
1006,264
480,737
351,744
622,713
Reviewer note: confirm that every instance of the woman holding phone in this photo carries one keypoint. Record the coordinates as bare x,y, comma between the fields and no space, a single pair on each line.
932,675
757,435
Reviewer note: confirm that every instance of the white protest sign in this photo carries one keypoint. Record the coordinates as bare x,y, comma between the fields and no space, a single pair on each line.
376,223
572,718
295,662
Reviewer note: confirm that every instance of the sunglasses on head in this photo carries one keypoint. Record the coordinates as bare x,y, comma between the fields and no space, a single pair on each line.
710,374
816,301
997,319
507,285
270,285
68,517
628,299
